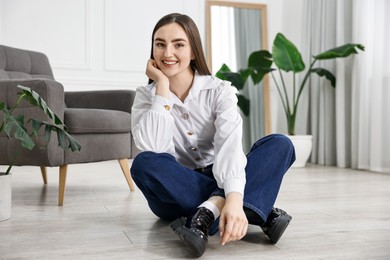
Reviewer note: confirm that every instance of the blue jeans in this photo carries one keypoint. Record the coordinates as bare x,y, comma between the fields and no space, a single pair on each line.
173,191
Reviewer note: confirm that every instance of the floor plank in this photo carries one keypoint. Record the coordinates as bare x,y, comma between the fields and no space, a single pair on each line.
337,214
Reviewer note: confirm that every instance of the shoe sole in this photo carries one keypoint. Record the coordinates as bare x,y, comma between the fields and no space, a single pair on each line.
178,223
193,241
279,228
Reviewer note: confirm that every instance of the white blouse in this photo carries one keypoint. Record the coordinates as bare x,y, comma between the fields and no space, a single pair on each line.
204,129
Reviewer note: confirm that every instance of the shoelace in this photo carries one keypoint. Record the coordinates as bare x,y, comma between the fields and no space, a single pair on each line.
203,219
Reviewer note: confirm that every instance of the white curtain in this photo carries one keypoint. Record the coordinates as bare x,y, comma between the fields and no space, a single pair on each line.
371,95
350,124
223,38
248,39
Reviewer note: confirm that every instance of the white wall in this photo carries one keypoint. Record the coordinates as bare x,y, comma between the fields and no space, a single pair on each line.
91,44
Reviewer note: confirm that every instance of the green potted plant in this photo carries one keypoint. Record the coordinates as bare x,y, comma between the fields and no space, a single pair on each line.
286,58
14,125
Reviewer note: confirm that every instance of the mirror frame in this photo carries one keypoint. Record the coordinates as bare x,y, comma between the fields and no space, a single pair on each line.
263,9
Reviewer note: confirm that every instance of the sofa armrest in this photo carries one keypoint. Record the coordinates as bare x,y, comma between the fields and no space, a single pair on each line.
50,90
121,100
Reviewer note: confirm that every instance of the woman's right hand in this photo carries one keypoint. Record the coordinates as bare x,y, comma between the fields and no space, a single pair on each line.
154,73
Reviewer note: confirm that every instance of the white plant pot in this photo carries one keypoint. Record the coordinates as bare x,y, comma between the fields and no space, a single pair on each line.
303,145
5,196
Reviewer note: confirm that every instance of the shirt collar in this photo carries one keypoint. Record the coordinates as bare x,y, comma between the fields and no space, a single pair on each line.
200,83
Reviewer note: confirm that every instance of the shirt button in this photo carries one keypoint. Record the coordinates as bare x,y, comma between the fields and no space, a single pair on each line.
194,149
167,107
185,116
190,133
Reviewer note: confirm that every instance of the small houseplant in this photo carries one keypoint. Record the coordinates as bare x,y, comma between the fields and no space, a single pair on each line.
286,58
14,125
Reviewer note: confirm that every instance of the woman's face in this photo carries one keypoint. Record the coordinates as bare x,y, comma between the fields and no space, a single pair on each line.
172,50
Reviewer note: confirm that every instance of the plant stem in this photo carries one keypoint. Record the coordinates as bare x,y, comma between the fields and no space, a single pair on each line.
303,84
292,117
291,123
13,160
280,94
285,91
15,157
17,103
294,79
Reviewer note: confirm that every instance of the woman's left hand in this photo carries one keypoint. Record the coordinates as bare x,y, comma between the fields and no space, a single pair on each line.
233,223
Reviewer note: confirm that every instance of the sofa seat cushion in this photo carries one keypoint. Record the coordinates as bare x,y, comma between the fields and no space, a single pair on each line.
82,120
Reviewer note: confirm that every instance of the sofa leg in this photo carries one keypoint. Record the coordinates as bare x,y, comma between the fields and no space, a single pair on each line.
44,175
62,182
126,171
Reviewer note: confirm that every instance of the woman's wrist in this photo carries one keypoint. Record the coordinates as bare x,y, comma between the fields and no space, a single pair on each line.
162,88
234,197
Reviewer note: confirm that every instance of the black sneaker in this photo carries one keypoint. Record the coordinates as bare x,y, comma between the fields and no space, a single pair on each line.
194,231
276,224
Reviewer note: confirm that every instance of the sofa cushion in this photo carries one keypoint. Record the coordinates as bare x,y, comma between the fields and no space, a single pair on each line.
81,120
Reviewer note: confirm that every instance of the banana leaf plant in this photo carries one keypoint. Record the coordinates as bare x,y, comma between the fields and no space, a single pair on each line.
14,125
286,58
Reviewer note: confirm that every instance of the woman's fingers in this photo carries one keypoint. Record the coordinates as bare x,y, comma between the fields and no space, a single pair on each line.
232,229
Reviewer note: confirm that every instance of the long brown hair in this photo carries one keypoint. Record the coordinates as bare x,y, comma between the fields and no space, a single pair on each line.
199,63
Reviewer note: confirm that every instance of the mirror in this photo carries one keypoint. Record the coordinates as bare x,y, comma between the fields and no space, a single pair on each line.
233,31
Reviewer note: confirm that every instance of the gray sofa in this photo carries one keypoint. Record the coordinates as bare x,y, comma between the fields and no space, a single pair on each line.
99,120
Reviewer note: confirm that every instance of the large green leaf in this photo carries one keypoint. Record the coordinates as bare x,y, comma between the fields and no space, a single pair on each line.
33,98
14,127
2,108
220,73
235,78
244,74
243,104
73,144
340,52
36,125
325,73
48,131
259,63
238,80
65,140
286,56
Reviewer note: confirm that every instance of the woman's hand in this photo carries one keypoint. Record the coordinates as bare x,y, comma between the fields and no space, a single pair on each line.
233,223
153,72
162,82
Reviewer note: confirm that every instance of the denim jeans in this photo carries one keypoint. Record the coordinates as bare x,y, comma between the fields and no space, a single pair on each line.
173,191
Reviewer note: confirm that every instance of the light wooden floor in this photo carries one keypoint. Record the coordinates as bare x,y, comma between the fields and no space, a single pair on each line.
337,214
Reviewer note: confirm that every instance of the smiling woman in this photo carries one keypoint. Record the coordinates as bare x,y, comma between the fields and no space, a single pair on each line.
189,131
